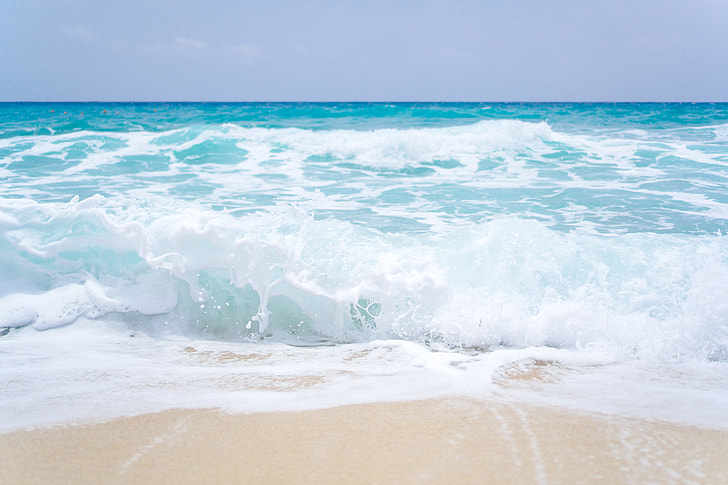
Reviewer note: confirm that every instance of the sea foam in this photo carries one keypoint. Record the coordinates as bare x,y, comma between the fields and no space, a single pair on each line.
286,275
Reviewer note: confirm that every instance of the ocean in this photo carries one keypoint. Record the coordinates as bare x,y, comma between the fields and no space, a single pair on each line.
280,256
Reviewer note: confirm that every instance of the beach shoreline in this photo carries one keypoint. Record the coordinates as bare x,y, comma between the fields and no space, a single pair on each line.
456,440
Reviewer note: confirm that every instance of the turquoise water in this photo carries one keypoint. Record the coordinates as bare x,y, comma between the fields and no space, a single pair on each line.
468,228
547,203
619,168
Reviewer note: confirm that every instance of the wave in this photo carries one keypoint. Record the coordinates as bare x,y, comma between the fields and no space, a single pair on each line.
425,177
508,151
379,146
165,266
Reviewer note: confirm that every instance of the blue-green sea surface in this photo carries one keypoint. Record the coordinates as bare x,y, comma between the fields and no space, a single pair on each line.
587,233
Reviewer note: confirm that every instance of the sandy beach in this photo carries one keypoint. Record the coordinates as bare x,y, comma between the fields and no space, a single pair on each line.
434,441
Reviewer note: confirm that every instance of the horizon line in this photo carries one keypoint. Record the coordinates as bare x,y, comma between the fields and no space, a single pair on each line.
352,102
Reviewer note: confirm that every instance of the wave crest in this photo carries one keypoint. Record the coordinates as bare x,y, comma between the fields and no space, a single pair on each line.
286,275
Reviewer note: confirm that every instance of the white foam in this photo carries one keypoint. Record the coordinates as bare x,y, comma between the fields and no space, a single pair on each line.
355,171
94,371
502,282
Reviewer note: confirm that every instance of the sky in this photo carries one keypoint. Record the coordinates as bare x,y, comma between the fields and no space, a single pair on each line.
395,50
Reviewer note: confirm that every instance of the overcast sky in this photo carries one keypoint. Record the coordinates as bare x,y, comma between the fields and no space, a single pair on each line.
325,50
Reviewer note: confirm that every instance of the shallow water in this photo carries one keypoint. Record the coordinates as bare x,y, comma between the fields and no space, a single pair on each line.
440,244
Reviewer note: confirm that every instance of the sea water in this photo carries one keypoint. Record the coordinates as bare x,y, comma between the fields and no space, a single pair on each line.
272,256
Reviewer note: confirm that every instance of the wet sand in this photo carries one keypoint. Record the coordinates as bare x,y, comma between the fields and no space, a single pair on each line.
434,441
